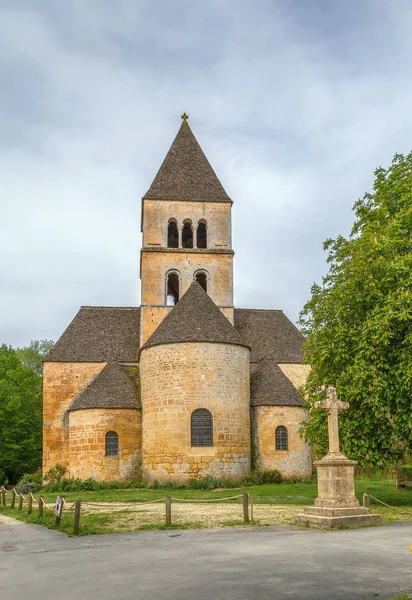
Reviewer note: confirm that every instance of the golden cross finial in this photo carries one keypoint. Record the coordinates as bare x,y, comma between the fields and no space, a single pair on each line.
185,117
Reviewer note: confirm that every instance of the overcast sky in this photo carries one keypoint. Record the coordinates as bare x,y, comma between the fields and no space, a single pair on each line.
295,103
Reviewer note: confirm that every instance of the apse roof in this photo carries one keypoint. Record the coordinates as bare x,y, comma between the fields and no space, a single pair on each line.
269,386
195,318
116,386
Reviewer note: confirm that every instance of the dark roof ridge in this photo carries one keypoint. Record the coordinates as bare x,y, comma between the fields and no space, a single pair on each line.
279,310
119,307
195,318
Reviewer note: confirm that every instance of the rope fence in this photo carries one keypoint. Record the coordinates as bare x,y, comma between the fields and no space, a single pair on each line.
77,506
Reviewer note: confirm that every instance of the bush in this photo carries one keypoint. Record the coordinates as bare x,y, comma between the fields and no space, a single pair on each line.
262,477
29,483
56,474
35,477
405,472
27,487
296,479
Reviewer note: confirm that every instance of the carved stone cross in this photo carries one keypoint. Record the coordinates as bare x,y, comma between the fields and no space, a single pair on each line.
333,406
185,117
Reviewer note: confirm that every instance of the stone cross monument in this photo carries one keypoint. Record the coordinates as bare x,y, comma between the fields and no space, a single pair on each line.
333,407
336,503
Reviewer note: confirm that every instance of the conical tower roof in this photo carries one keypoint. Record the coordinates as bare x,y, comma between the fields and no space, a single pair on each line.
186,174
195,318
269,386
114,387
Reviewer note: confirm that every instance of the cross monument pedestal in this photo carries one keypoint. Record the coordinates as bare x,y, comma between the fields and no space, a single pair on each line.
336,504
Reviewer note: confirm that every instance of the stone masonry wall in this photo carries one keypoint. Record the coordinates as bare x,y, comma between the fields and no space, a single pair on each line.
61,383
87,434
297,460
176,379
156,265
297,373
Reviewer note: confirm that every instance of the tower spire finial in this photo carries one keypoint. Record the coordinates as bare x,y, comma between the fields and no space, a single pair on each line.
185,117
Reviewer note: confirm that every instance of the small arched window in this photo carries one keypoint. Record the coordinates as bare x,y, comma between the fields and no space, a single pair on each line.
281,437
201,428
112,444
172,289
201,279
187,234
201,235
172,234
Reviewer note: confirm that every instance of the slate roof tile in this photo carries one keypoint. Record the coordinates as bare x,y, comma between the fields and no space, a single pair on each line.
195,318
270,333
99,334
116,386
186,174
269,386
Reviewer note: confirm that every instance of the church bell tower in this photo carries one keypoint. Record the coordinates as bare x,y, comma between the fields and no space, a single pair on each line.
186,225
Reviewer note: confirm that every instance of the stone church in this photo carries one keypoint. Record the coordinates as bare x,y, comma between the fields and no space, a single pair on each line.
186,384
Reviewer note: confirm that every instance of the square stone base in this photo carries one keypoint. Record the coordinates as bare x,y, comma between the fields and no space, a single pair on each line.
317,516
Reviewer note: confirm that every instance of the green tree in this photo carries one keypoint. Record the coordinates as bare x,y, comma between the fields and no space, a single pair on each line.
33,354
20,417
359,325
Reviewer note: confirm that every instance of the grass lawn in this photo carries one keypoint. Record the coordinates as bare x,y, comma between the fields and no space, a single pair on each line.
274,504
297,493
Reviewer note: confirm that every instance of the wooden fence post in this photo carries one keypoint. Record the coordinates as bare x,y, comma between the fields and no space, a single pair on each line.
59,517
3,497
13,498
168,503
246,508
77,510
366,500
20,502
40,503
29,504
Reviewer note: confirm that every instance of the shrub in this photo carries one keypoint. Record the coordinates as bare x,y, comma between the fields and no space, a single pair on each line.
406,472
27,487
262,477
296,479
35,477
56,474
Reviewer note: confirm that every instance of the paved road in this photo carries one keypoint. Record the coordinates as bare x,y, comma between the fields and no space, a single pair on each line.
227,564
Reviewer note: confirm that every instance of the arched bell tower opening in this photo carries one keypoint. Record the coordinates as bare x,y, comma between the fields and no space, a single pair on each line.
201,278
172,289
172,234
187,234
201,234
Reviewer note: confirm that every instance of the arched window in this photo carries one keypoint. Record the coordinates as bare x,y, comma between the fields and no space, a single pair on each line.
172,234
187,234
201,428
201,236
172,289
281,437
201,278
112,444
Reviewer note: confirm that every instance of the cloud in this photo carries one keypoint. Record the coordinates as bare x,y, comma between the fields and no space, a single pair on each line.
294,103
